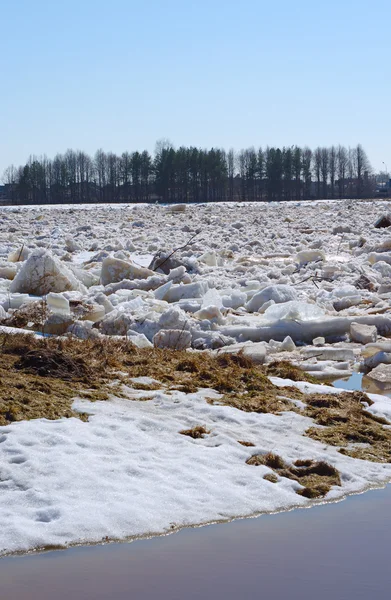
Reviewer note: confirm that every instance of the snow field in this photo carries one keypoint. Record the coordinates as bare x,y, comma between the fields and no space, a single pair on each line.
128,472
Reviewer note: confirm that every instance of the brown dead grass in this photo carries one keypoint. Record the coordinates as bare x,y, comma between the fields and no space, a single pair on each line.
286,370
197,432
247,444
88,368
345,421
32,315
268,460
316,477
40,377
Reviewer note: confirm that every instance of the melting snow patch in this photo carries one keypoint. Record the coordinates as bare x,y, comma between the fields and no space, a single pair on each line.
128,471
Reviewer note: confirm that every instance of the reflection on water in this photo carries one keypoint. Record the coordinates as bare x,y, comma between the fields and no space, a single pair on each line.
338,551
358,381
354,382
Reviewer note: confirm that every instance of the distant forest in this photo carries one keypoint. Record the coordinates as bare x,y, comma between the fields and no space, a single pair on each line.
192,175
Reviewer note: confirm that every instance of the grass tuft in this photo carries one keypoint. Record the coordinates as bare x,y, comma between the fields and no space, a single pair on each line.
316,477
197,432
345,422
286,370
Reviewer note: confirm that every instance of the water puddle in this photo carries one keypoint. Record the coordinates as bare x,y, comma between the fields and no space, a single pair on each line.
336,551
358,381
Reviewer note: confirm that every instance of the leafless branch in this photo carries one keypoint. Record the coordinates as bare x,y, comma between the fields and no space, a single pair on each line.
176,250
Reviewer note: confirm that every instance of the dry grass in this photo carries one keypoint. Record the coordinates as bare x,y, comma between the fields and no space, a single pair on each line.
345,421
73,367
247,444
286,370
316,477
32,315
87,368
268,460
40,377
197,432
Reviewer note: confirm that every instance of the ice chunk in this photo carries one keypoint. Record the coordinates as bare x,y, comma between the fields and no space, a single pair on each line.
83,330
374,348
42,273
71,245
255,351
375,257
57,303
277,293
374,360
93,312
234,300
329,353
210,259
161,292
265,306
186,290
86,277
57,324
385,286
363,334
293,311
139,339
383,268
178,274
211,313
19,255
381,375
115,270
288,345
177,208
176,339
8,270
305,256
173,318
212,298
103,300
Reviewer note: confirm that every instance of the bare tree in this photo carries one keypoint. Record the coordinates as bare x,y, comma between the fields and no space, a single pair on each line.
307,163
332,168
351,172
100,162
325,170
361,166
318,169
231,172
342,167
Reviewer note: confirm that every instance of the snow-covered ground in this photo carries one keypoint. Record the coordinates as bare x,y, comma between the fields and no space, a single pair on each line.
271,276
129,472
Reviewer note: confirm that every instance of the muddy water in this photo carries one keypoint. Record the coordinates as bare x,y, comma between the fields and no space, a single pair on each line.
339,551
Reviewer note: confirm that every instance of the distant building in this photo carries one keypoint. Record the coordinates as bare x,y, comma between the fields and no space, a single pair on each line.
383,188
6,193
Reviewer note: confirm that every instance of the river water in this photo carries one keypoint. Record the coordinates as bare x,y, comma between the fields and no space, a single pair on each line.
335,551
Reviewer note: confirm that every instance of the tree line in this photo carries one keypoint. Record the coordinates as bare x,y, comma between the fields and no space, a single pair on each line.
190,174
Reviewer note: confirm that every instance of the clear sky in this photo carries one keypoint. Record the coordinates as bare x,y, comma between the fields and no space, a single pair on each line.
121,74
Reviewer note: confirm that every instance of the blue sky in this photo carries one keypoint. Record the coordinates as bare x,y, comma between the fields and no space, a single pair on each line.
120,75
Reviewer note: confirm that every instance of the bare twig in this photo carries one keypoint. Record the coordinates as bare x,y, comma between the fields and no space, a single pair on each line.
20,253
176,250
